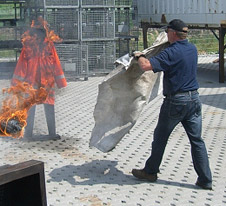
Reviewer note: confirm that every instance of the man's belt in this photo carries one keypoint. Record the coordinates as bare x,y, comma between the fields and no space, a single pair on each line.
183,93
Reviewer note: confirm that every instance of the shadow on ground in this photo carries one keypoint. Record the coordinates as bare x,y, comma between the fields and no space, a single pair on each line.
102,172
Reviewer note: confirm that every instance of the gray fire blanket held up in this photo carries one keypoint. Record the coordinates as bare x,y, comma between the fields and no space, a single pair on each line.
122,96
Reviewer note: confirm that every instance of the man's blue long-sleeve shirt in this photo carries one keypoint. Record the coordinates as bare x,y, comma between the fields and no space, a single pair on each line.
179,64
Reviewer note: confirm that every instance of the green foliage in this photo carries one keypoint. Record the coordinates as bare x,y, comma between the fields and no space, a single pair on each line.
206,43
7,11
7,53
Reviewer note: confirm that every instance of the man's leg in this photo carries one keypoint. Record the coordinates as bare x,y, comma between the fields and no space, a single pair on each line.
193,128
165,126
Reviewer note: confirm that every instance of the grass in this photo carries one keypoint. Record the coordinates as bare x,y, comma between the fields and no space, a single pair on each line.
7,11
7,53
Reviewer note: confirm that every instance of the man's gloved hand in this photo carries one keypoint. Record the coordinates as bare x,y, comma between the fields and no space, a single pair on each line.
138,54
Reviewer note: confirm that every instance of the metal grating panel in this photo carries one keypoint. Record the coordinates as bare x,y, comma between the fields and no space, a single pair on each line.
35,3
125,46
64,22
10,33
97,24
98,2
101,56
122,2
73,58
122,22
62,2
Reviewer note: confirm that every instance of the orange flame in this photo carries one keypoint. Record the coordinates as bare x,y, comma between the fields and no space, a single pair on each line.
15,106
39,37
41,23
38,46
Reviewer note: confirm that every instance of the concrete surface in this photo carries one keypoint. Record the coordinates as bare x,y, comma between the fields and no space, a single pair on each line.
78,175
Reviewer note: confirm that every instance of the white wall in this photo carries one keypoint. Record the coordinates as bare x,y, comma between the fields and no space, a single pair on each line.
193,12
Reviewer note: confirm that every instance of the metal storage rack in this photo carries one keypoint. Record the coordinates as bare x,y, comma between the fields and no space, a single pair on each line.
87,26
98,34
97,3
126,30
74,59
11,21
125,46
123,3
97,24
11,27
64,22
101,56
94,32
61,3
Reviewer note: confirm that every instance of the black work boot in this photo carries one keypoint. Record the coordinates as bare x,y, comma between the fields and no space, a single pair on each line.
141,174
204,186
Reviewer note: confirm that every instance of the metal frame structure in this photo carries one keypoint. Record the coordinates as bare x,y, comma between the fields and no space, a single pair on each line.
126,31
97,24
64,22
101,56
198,14
87,26
97,3
92,31
222,31
74,59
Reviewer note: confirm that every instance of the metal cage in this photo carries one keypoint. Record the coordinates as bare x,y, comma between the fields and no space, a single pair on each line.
125,46
64,22
97,24
35,3
50,3
91,31
74,59
124,3
97,2
123,24
101,56
11,33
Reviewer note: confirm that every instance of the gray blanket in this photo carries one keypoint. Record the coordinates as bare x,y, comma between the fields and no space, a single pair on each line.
122,96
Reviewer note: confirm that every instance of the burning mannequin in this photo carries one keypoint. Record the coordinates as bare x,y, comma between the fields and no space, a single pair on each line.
39,65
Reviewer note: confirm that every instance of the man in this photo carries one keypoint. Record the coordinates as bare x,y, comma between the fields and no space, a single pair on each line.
181,103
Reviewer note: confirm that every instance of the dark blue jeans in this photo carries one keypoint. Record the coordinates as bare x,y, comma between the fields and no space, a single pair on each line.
184,108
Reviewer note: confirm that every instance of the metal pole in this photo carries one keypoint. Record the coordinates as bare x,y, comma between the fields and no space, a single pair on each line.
222,32
145,30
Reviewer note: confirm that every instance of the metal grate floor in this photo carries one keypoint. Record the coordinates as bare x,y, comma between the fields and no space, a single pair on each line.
78,175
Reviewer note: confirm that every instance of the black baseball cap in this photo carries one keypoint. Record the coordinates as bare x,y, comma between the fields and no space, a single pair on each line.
178,25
